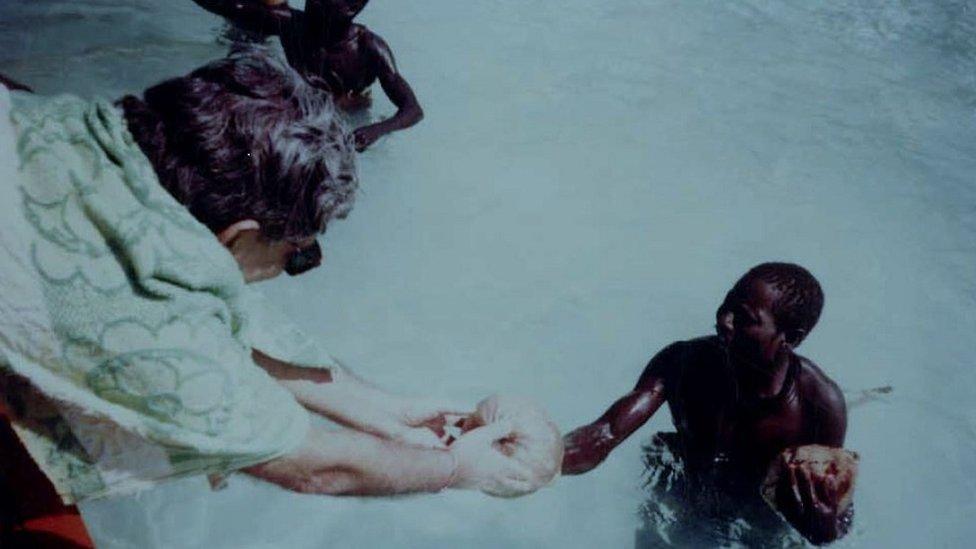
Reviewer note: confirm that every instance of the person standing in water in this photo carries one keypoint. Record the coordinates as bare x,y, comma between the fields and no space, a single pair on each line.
742,400
331,51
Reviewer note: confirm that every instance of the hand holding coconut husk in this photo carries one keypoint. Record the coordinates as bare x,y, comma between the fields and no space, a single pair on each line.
813,488
522,436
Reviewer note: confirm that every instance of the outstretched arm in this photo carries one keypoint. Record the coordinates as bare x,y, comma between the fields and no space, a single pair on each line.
357,464
354,403
371,463
589,445
396,88
254,15
349,463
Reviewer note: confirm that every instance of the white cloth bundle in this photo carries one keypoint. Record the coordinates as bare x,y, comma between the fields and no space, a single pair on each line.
535,441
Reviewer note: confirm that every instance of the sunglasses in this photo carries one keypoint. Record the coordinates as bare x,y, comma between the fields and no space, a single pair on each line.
304,259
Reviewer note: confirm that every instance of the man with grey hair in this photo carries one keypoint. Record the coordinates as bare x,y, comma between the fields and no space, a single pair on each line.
131,349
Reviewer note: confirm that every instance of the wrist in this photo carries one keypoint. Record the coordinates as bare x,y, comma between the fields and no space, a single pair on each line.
453,474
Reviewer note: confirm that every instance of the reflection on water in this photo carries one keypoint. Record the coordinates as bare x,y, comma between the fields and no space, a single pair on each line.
681,511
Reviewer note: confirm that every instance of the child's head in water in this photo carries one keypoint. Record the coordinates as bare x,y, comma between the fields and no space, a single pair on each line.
769,312
536,441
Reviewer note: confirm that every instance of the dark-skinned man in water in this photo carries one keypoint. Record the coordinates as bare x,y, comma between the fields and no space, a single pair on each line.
331,51
743,402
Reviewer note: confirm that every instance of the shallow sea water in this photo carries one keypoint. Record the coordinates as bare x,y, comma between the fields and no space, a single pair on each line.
589,180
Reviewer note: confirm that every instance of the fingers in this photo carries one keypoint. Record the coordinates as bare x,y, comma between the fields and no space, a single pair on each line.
510,478
481,439
806,489
424,412
844,485
423,438
436,425
827,490
360,140
363,139
439,430
515,470
493,431
447,408
795,496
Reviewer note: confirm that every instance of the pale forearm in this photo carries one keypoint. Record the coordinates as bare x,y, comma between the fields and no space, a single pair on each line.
358,464
352,403
339,396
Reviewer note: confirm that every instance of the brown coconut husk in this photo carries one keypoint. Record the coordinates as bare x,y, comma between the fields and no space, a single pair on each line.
822,461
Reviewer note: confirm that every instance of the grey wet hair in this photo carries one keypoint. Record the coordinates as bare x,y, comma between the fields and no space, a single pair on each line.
246,137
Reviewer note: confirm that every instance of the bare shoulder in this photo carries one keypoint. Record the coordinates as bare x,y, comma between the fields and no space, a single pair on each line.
818,389
369,39
374,44
670,362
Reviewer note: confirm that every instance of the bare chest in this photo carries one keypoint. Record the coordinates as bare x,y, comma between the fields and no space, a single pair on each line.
346,67
714,425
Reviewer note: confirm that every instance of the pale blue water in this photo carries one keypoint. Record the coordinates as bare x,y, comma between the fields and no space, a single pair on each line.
589,180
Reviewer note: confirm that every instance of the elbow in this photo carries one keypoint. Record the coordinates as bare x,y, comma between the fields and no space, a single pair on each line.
413,115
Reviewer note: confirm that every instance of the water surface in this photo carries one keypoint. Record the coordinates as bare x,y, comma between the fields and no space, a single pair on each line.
589,180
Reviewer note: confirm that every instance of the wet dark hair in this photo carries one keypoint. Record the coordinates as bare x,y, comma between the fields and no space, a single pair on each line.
245,137
801,298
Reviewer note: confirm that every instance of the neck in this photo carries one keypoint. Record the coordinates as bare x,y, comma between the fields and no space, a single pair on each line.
764,382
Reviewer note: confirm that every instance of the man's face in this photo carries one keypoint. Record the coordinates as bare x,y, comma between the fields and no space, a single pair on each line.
747,325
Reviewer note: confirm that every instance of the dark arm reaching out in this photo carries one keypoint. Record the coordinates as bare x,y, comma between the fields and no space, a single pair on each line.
589,445
253,15
396,88
13,85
